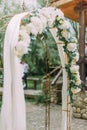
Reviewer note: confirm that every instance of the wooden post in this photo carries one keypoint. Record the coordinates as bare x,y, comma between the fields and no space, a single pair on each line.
81,8
82,43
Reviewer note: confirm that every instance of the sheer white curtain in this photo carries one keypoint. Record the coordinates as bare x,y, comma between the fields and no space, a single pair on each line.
66,107
13,115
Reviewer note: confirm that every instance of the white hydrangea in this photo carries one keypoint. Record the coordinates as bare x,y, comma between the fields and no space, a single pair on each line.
38,24
72,47
43,20
51,11
46,11
74,69
65,34
31,29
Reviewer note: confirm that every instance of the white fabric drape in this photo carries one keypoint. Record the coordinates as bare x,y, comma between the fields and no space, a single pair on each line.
13,115
66,114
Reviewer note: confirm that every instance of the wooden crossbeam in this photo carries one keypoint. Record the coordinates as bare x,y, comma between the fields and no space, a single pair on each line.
60,2
56,77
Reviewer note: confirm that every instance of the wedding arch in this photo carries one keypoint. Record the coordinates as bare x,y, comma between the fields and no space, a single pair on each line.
21,31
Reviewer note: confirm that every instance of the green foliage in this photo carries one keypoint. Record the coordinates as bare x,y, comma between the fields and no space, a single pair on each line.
42,2
40,50
67,35
7,9
41,98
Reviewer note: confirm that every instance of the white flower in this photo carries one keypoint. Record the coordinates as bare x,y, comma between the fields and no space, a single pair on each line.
72,46
74,69
75,90
23,36
31,29
46,11
65,34
21,48
38,24
50,22
77,77
23,27
50,14
64,25
74,40
78,82
73,62
54,13
76,57
43,20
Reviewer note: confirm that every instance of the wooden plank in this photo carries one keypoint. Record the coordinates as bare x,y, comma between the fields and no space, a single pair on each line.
60,2
56,77
35,80
32,93
53,71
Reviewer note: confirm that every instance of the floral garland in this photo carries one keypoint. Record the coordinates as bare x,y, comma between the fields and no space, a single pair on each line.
36,25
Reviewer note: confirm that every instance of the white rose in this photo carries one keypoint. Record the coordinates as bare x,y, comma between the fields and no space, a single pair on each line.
72,46
78,80
73,62
77,56
75,91
21,48
78,75
38,24
64,25
74,39
74,69
31,29
65,34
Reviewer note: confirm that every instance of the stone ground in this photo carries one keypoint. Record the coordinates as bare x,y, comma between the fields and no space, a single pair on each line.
36,118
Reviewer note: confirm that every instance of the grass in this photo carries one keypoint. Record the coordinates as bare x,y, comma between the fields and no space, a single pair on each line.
31,83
